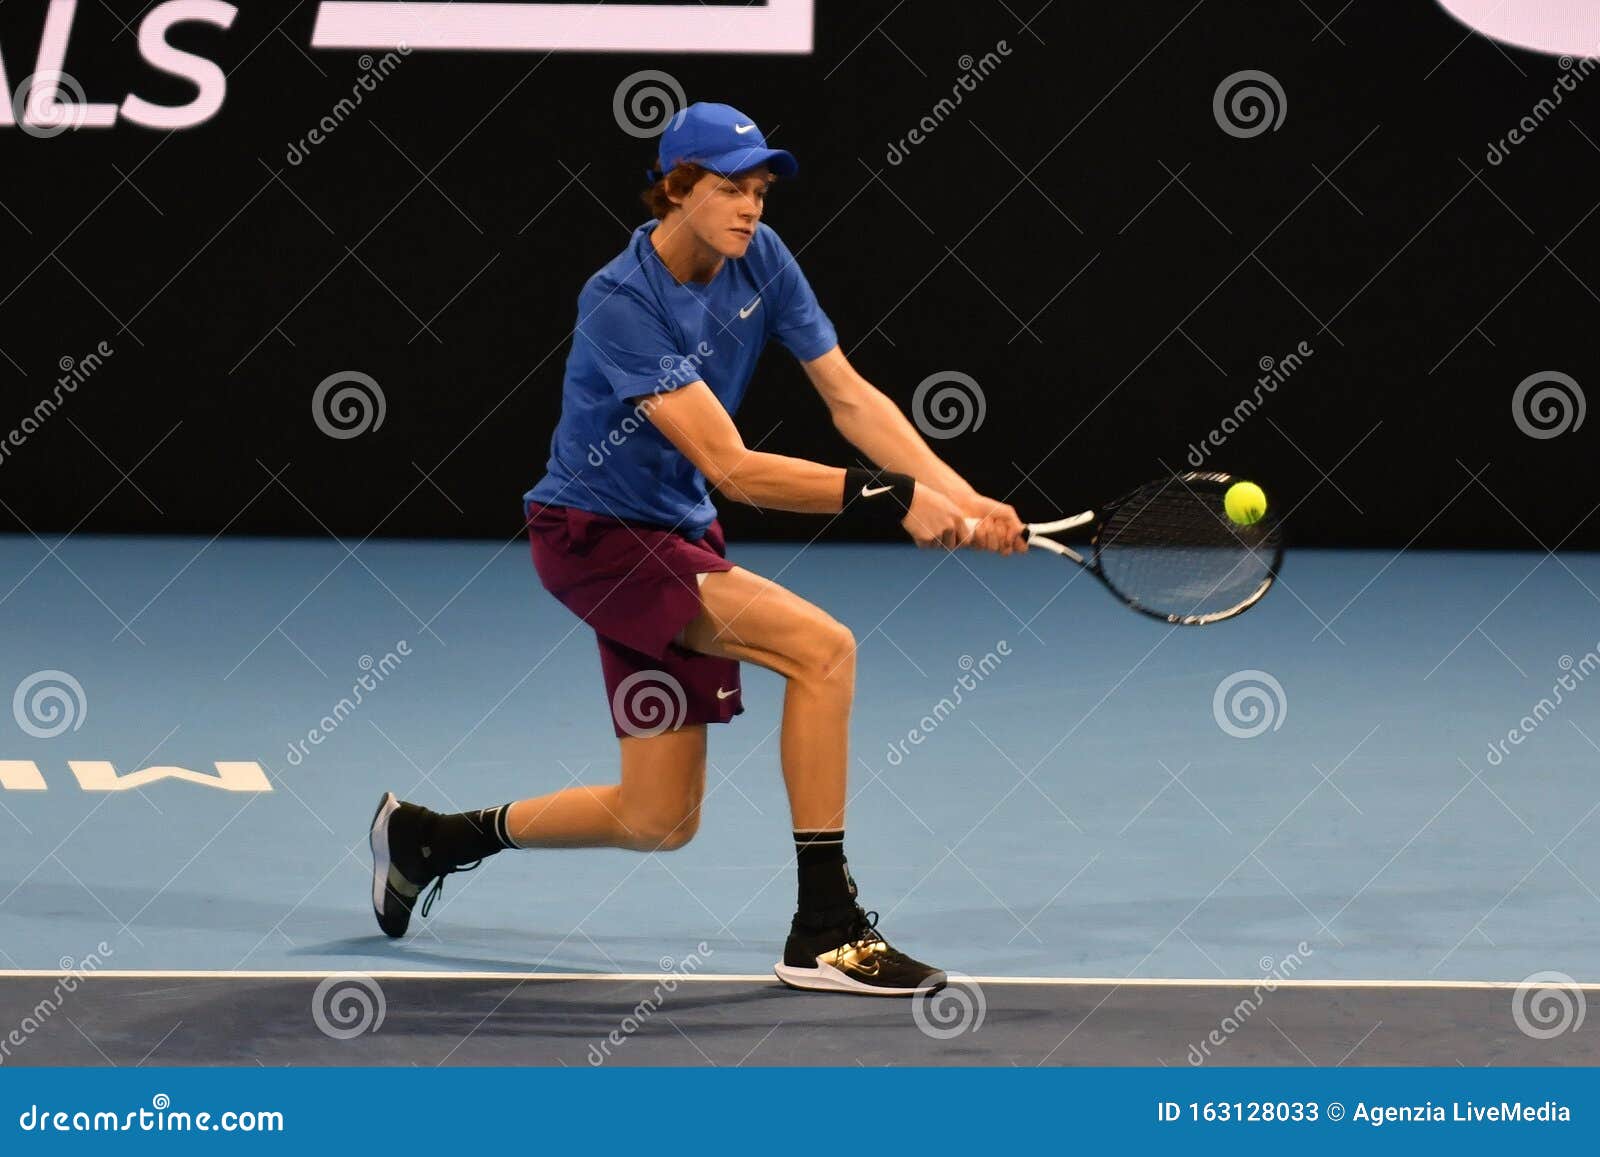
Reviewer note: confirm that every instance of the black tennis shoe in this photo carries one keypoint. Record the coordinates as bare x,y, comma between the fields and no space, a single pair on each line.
401,866
853,957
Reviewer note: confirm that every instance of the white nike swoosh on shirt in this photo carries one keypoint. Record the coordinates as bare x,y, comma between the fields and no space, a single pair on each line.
874,491
749,309
721,694
742,129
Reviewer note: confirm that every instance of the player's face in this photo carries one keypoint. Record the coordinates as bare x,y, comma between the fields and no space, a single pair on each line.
723,211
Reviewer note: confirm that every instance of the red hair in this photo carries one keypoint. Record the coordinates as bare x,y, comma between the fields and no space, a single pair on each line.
678,182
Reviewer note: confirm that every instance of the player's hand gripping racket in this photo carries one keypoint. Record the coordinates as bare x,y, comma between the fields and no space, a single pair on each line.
1170,549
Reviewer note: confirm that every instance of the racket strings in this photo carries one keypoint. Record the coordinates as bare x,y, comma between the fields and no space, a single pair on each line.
1171,550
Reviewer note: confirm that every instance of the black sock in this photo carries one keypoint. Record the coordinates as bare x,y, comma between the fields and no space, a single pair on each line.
827,892
461,838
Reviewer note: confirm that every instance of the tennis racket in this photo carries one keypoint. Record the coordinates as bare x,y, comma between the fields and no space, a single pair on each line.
1170,551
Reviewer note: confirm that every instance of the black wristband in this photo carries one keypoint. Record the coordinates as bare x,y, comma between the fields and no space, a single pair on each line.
876,499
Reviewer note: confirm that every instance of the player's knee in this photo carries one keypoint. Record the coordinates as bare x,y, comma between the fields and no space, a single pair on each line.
830,654
663,832
676,838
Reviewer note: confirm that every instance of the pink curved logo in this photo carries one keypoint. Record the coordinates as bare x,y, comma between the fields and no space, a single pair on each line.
685,26
1562,27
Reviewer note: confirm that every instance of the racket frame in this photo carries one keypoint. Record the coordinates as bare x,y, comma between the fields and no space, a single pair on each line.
1038,534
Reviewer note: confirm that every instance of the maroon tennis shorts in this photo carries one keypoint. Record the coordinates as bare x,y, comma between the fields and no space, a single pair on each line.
636,585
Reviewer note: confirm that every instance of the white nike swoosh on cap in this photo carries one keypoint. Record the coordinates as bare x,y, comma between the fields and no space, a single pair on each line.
742,129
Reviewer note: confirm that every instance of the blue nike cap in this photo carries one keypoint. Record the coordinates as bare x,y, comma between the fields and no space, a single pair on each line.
718,137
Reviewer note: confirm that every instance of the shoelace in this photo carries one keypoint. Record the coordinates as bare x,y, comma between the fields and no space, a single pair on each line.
864,930
438,886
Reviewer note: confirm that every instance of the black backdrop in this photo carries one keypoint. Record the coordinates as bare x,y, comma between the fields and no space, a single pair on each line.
1155,257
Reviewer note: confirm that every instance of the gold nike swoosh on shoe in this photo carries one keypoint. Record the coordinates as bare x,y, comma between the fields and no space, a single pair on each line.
859,959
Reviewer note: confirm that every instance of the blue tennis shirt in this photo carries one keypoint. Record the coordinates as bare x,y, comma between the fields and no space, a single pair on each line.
640,332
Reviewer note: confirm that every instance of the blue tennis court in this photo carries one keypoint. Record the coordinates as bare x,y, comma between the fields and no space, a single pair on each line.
1043,786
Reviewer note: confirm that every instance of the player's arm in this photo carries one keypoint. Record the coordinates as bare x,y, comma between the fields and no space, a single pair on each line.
694,421
872,423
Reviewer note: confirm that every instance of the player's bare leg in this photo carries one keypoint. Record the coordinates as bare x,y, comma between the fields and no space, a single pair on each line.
746,617
832,943
655,808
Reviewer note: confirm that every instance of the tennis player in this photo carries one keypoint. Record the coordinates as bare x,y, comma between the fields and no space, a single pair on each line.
624,533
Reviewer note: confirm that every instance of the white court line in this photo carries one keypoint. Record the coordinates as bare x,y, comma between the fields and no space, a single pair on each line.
759,978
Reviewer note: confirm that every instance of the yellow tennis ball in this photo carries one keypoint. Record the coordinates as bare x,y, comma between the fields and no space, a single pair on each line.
1245,502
